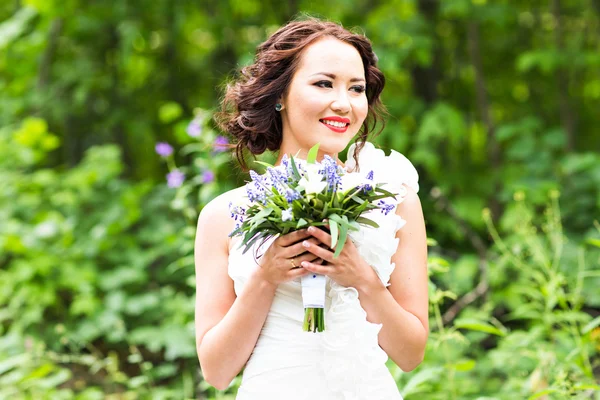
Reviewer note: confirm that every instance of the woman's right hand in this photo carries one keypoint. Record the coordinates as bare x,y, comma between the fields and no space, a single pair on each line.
277,264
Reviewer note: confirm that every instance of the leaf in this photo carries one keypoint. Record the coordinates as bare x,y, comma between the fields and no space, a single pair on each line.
476,325
301,222
541,393
425,375
591,325
312,154
333,227
264,164
9,363
367,221
342,240
295,169
12,28
593,242
169,112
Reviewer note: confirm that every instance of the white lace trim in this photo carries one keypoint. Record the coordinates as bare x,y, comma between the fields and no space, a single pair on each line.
352,351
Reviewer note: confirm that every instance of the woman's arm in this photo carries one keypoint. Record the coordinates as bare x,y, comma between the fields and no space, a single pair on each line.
226,328
402,307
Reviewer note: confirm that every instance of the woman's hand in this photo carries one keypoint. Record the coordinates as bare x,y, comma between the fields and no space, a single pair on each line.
348,269
282,260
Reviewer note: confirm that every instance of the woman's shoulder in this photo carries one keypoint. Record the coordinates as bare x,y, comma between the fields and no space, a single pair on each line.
215,217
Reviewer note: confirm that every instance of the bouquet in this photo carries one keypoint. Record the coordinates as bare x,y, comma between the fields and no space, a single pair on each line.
298,194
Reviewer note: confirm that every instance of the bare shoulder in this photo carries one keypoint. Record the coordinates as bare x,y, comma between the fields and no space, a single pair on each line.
215,220
411,204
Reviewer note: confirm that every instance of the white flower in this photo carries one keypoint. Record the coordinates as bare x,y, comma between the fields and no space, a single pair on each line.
352,180
287,215
312,181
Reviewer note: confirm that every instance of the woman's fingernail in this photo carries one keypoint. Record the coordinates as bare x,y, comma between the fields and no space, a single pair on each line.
305,244
310,229
304,263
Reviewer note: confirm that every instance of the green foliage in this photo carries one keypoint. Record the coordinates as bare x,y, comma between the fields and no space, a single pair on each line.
494,102
528,337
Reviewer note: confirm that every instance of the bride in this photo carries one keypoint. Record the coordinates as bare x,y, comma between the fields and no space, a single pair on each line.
312,82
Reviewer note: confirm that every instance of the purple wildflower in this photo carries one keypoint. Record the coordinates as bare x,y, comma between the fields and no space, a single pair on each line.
367,187
257,188
220,143
163,149
291,195
175,178
208,176
330,170
194,129
385,207
238,214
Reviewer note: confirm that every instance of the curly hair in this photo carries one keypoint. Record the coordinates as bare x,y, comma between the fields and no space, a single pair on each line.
248,106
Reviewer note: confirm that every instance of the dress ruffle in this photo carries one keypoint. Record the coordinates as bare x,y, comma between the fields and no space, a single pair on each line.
345,361
352,356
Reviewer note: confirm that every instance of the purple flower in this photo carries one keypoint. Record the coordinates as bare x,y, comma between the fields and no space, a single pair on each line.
385,207
292,195
330,170
175,178
367,187
220,143
238,213
208,176
194,129
163,149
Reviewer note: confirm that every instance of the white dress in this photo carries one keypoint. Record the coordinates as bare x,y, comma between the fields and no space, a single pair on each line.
345,361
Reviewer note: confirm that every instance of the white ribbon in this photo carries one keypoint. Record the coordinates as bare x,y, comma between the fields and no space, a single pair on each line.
313,290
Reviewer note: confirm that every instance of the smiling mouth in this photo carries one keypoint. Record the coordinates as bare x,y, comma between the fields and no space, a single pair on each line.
334,124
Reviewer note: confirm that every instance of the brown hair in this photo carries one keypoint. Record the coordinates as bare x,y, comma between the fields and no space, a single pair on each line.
248,107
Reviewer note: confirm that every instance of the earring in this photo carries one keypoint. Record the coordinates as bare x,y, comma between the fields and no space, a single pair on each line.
278,107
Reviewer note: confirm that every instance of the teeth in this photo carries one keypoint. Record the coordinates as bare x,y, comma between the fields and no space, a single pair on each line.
335,123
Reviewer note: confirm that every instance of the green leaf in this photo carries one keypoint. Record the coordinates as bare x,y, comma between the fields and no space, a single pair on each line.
541,393
421,377
477,325
169,112
301,222
333,228
367,221
312,154
264,164
295,169
591,325
593,242
342,240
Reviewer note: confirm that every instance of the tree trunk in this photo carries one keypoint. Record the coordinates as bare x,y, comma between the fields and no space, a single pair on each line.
48,55
484,110
567,117
426,78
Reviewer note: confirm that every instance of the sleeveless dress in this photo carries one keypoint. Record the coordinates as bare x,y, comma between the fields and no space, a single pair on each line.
345,361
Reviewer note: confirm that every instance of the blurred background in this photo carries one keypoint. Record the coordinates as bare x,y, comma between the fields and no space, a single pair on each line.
108,152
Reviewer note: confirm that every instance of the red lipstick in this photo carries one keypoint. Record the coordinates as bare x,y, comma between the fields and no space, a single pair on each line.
335,118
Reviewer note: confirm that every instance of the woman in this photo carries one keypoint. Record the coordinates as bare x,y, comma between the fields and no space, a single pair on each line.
312,82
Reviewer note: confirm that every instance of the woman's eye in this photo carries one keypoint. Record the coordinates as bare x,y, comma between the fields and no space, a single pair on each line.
326,84
358,88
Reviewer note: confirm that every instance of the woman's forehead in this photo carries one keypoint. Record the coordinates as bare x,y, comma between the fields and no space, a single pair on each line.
331,56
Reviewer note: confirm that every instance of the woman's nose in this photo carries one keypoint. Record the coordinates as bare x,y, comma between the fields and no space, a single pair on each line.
341,103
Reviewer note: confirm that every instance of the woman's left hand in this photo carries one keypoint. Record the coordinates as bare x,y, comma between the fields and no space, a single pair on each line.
348,269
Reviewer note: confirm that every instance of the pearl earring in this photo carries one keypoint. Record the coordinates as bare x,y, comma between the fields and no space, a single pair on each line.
278,107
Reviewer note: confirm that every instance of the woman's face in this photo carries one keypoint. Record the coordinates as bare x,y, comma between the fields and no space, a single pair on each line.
326,101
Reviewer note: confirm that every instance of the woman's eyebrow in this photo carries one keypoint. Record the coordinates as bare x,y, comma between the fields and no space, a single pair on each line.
333,76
